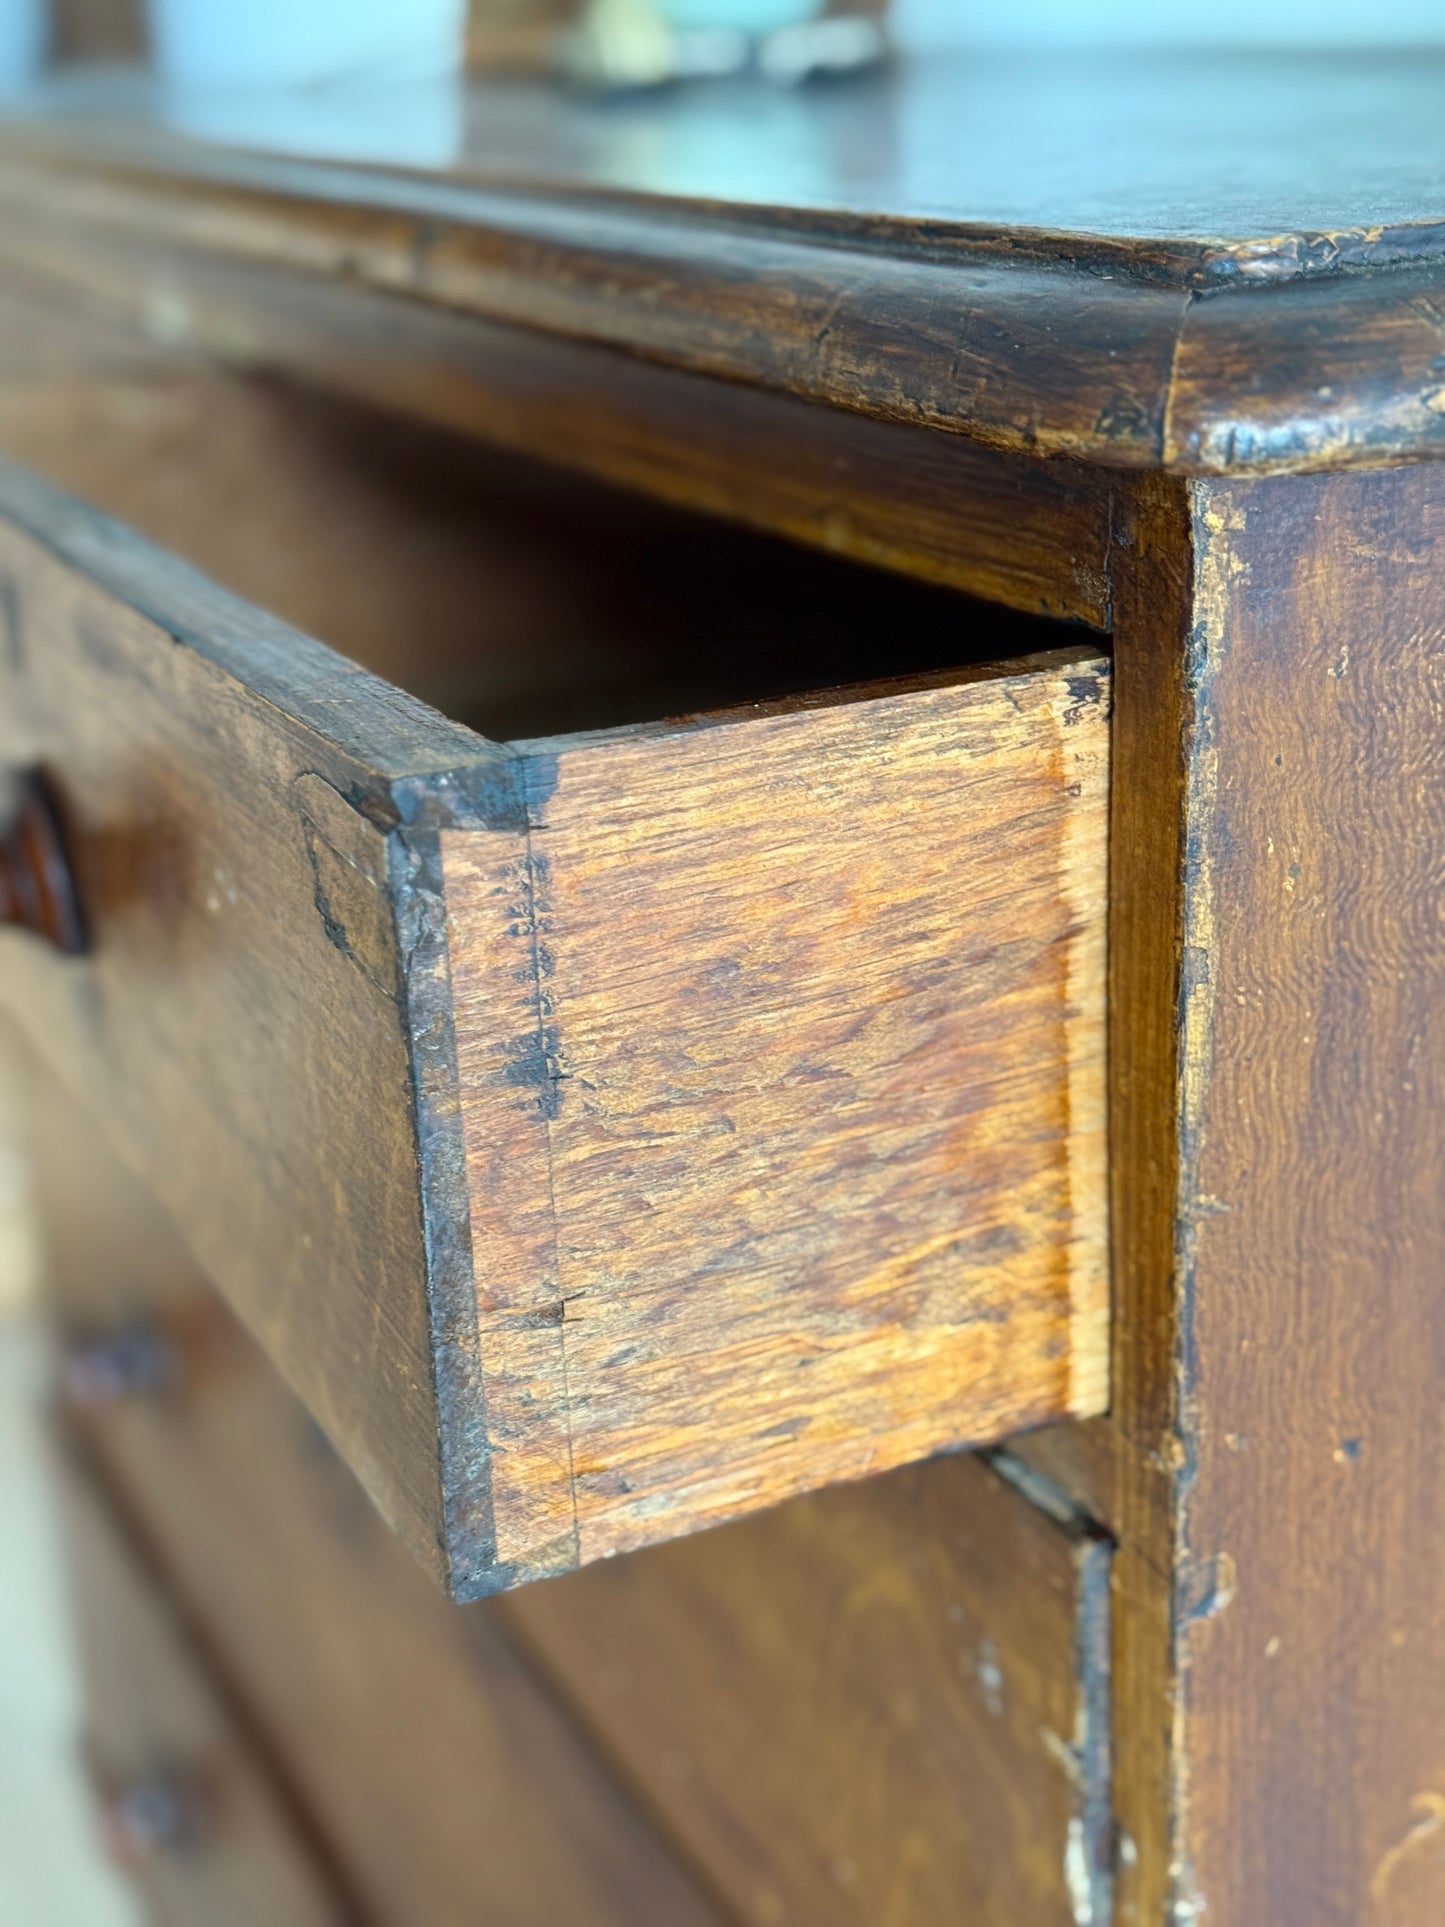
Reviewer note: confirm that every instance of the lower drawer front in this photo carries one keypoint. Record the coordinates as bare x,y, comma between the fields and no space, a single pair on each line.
187,1808
441,1775
884,1704
881,1704
437,1770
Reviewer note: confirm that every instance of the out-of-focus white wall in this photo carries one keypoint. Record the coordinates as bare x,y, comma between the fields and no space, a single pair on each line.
52,1873
269,43
1163,23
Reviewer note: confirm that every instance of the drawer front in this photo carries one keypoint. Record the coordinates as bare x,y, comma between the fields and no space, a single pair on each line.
187,1809
886,1702
666,1122
440,1774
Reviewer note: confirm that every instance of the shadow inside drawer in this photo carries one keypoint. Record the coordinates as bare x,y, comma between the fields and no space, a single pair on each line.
519,599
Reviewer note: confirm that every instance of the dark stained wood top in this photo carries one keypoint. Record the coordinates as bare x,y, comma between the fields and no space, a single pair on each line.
1208,264
1228,163
1201,166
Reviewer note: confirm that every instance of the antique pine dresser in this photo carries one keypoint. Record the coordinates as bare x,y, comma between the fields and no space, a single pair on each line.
859,872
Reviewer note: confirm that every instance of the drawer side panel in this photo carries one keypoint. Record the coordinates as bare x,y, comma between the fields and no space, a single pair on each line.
806,1110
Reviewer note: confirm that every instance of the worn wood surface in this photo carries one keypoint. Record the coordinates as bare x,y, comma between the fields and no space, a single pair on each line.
426,1759
216,770
1272,1467
1308,1611
1122,1471
157,1722
1220,167
1070,327
883,1703
514,596
1029,534
1021,356
715,999
889,1702
1268,1471
439,1774
779,1044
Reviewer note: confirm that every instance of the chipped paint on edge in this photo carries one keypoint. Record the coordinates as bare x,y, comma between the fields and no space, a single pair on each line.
1219,516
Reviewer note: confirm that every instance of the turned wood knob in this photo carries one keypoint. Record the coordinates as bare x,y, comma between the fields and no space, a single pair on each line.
37,890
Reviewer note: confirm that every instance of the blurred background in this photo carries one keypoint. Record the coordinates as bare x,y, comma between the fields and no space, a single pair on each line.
52,1872
251,41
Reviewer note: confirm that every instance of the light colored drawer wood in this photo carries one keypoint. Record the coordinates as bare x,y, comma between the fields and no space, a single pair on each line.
667,1120
188,1809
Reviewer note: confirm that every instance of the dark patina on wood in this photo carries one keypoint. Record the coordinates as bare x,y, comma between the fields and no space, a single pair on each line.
1115,318
377,1008
1132,398
889,1701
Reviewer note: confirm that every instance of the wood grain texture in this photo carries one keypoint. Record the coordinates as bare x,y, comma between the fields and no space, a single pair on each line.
1029,534
827,1179
228,790
424,1757
883,1703
1023,336
1023,356
1319,375
438,1773
155,1717
886,1702
1222,167
779,1049
1312,1339
515,596
1272,1467
1124,1470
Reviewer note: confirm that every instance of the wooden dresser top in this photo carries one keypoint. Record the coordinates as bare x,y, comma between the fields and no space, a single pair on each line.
1207,265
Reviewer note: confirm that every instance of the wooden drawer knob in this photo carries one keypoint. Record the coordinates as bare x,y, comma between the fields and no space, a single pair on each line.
37,890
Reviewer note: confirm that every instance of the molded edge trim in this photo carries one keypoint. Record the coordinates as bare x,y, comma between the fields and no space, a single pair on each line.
1296,354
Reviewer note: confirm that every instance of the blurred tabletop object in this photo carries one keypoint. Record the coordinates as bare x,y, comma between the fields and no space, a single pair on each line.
819,1053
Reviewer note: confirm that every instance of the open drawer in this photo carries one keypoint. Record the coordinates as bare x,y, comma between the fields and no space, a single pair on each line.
609,1134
